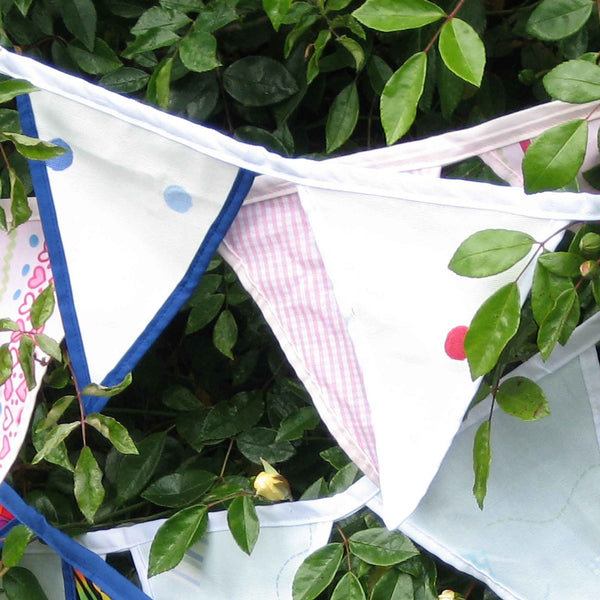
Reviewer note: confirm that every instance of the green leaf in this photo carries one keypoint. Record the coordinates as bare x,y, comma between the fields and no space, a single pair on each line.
43,307
489,252
21,584
31,147
306,21
379,73
546,288
6,365
558,19
27,361
565,264
312,69
102,391
79,17
462,51
559,323
55,413
198,51
125,80
179,397
162,18
259,442
204,311
398,15
160,83
55,437
482,458
9,120
23,6
113,431
227,419
277,11
48,345
259,81
216,14
88,490
574,81
592,176
178,489
401,95
342,117
378,546
522,398
333,5
358,54
225,333
19,204
344,478
243,523
259,137
8,325
3,222
294,426
393,586
555,157
12,88
318,489
59,456
102,60
136,470
492,327
15,544
595,284
151,40
317,572
348,588
177,535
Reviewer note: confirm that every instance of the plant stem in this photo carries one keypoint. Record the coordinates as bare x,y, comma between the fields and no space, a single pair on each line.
436,35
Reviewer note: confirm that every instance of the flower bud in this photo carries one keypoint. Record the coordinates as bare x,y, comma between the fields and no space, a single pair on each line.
273,487
589,269
589,245
447,595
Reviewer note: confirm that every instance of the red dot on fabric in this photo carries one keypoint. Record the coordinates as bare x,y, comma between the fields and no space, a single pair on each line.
455,343
524,145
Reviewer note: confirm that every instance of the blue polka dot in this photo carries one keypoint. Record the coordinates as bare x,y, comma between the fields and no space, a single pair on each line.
25,270
34,240
16,294
178,199
62,162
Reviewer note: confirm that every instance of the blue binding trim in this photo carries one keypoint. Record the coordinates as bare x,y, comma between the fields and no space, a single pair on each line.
169,309
91,565
69,581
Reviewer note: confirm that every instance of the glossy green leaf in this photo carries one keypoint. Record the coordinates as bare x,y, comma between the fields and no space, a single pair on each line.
333,5
393,586
216,14
482,458
136,470
559,323
15,544
318,489
558,19
159,86
555,157
23,6
522,398
225,333
294,426
178,489
350,44
494,324
12,88
6,365
401,95
317,572
179,397
198,51
259,81
342,117
546,288
397,15
312,68
592,176
79,17
100,61
9,120
462,51
151,40
43,307
379,73
490,251
21,584
344,478
113,431
259,137
102,391
125,80
306,21
55,413
378,546
27,360
177,535
163,18
58,456
276,11
55,436
31,147
8,325
243,523
348,588
19,206
565,264
204,311
48,345
88,489
259,442
574,81
227,419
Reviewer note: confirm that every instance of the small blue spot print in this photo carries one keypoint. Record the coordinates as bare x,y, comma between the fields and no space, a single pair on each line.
34,240
178,199
25,270
64,161
16,294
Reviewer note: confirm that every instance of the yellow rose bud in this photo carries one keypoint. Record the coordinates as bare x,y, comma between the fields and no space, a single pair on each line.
273,487
447,595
